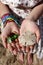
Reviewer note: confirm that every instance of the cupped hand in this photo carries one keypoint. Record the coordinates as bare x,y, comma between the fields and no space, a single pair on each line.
10,27
28,25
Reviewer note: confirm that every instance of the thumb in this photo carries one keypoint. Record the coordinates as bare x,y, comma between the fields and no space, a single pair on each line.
38,35
15,29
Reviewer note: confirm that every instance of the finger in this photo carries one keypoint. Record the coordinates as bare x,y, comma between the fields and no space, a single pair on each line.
27,48
15,46
18,47
14,42
30,58
4,40
32,46
9,47
15,29
14,52
20,57
38,35
23,48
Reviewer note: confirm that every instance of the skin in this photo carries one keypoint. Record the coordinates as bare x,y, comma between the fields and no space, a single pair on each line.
9,28
27,24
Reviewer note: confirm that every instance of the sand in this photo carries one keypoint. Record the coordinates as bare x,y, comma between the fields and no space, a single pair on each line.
27,38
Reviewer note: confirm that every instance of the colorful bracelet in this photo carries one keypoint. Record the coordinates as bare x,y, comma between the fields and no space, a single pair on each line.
6,17
9,17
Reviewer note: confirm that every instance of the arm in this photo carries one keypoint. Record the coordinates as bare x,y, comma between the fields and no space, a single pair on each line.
36,13
3,9
29,25
10,27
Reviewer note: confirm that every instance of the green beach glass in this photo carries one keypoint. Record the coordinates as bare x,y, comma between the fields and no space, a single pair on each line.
12,37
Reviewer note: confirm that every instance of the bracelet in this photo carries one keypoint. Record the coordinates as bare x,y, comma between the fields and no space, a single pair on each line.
9,17
6,17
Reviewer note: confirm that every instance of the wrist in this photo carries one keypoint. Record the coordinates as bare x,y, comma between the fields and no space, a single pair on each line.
6,18
8,22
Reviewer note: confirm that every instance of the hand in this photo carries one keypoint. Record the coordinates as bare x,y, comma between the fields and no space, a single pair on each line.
10,27
28,25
